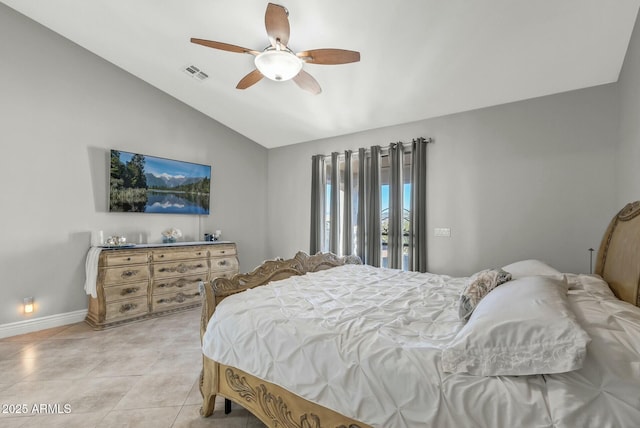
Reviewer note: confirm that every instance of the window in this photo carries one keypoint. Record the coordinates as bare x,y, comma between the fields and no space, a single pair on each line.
384,224
406,209
372,204
384,204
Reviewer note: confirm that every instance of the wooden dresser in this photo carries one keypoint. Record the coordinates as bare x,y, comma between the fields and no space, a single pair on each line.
146,281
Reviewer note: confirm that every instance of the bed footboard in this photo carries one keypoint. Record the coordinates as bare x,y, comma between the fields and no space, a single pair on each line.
213,293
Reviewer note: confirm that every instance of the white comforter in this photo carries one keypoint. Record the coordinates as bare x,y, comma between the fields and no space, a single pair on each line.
377,359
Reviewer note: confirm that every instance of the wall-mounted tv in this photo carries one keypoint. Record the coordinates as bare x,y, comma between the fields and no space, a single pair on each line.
148,184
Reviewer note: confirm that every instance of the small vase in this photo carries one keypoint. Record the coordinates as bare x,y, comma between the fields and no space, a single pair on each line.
168,239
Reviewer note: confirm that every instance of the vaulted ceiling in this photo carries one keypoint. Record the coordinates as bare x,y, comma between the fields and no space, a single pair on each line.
419,58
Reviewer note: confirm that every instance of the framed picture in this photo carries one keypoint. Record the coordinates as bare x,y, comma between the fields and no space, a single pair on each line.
149,184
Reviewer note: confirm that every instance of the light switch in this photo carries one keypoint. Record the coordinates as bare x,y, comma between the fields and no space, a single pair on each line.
442,231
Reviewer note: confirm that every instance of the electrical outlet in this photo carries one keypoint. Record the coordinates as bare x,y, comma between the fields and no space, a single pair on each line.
442,231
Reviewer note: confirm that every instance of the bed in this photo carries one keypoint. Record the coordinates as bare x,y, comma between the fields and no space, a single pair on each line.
332,343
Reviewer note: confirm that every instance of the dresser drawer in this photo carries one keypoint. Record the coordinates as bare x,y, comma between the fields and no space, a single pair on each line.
118,275
119,257
186,267
223,263
181,254
162,302
186,284
125,291
222,250
127,308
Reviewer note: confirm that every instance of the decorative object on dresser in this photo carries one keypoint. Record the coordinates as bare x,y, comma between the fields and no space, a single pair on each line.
151,280
115,241
171,235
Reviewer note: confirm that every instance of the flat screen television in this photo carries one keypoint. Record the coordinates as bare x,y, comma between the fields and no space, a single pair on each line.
148,184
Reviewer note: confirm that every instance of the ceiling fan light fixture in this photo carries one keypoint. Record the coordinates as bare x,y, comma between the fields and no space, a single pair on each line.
278,64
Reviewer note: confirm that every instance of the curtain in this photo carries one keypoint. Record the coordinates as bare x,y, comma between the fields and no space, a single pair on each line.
334,188
368,217
394,236
361,218
317,203
372,231
418,217
347,234
403,234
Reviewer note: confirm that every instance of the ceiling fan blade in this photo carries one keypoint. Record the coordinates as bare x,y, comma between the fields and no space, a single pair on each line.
306,81
250,79
223,46
329,56
277,23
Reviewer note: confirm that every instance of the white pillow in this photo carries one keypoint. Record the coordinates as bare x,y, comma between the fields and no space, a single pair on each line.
522,327
530,267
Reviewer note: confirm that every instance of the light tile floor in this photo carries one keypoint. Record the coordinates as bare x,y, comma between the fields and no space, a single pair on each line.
143,374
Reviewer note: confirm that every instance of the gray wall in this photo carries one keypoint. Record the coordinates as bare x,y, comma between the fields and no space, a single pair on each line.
530,179
629,154
61,110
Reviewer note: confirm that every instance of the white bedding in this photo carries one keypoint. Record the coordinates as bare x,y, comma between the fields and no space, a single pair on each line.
378,360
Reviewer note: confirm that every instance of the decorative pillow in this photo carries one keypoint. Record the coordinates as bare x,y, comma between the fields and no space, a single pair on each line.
478,286
523,327
530,267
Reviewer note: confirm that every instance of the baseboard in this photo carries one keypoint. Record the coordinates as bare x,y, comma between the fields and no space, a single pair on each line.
37,324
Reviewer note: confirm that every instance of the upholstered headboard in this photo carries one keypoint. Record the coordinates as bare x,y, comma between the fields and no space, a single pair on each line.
618,260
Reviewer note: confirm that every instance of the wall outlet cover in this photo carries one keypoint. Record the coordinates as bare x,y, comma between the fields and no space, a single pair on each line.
442,231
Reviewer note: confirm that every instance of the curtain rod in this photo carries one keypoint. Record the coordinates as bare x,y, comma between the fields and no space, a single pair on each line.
386,148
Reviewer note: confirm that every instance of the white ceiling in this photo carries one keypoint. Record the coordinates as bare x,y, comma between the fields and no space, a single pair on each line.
420,58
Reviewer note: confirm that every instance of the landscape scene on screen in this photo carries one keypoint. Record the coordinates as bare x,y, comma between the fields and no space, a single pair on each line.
149,184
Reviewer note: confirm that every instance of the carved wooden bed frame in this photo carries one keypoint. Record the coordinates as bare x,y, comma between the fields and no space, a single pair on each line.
618,263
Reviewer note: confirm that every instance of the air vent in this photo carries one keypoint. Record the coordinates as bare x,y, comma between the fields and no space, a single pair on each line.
195,72
201,75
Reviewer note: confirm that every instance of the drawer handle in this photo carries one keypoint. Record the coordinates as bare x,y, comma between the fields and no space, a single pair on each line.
178,284
184,282
181,268
128,259
167,285
222,252
129,273
179,298
127,307
129,290
161,255
222,263
198,253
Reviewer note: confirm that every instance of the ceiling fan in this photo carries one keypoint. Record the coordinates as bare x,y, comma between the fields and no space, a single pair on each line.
278,62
